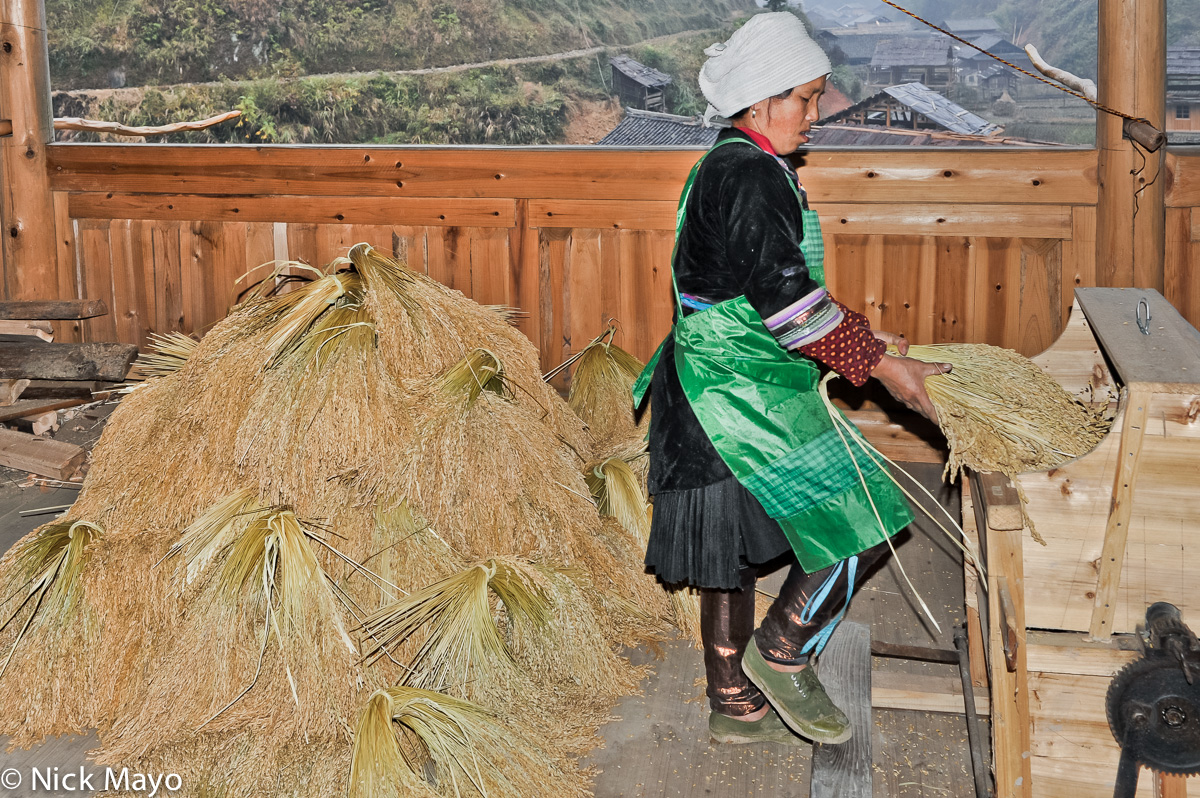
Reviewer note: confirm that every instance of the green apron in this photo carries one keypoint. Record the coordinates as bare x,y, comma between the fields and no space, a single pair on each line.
759,405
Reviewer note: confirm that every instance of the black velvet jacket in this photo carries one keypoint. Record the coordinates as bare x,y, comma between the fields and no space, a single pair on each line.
741,235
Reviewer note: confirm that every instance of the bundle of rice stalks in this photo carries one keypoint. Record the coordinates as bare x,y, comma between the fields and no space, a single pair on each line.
619,494
1000,412
45,575
168,352
413,742
602,395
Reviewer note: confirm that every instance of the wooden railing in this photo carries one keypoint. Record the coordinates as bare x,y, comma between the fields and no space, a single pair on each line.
945,245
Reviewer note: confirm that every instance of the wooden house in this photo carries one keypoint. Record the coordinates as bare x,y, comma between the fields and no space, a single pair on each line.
638,85
913,59
940,244
1183,89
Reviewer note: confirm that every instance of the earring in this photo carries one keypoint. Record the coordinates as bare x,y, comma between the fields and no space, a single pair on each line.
753,113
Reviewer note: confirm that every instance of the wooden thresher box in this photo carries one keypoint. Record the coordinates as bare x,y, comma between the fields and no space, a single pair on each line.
1121,526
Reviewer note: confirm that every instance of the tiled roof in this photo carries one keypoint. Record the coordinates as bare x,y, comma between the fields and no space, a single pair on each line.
651,129
1183,60
647,76
971,25
933,106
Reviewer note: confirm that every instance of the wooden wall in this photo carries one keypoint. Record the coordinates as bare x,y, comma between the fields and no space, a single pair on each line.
947,245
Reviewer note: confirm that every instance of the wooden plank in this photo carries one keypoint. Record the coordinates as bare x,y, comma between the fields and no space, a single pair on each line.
490,264
69,330
1040,313
1021,177
1079,255
524,248
585,314
1116,533
1010,690
553,269
951,300
998,221
168,276
446,211
1065,653
11,390
895,440
53,309
42,330
302,244
973,597
941,694
997,304
1182,250
43,456
1010,633
1169,354
96,277
33,407
901,281
1170,785
618,215
132,303
844,771
999,498
91,361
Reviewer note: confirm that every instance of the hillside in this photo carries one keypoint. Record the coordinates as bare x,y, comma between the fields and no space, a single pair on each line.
106,43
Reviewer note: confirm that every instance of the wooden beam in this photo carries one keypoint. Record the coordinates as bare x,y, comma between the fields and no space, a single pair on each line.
1053,177
26,207
26,407
53,309
1132,79
43,456
997,221
94,361
1116,533
1000,500
408,211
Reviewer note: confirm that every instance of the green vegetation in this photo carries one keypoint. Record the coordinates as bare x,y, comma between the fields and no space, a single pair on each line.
155,42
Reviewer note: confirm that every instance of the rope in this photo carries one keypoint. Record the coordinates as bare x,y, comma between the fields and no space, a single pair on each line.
1097,105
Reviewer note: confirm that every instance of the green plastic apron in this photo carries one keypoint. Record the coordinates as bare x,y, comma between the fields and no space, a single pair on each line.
759,405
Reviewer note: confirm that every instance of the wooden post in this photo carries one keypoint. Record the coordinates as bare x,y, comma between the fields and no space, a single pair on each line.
1116,532
1132,78
26,206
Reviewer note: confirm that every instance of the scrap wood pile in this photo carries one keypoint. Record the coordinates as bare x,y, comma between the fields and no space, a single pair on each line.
345,544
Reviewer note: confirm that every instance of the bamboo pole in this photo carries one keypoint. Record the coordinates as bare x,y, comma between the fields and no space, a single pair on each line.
1132,78
26,206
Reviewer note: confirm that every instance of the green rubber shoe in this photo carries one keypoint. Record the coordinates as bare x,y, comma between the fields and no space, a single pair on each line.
767,729
799,699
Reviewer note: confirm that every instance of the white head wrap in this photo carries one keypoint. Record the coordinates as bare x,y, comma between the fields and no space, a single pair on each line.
768,55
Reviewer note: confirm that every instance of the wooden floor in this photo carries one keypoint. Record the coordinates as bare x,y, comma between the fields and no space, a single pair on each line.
658,744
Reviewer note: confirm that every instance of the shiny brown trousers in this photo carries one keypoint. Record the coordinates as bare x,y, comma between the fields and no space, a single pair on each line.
727,622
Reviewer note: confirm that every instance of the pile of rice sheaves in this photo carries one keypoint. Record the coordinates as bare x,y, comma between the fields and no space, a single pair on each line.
343,545
1002,413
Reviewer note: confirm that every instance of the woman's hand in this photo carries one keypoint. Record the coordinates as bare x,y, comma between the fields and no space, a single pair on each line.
891,339
905,379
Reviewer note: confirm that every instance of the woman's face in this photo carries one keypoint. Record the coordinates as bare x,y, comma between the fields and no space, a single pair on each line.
786,122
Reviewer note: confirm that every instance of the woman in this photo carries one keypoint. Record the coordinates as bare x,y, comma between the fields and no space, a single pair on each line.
746,467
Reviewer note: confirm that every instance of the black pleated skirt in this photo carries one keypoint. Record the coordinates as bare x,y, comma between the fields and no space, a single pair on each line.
706,526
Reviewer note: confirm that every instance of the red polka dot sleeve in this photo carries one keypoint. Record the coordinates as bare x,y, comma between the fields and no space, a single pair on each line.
850,349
